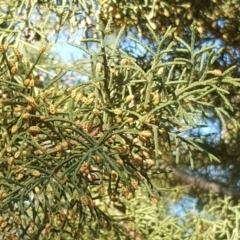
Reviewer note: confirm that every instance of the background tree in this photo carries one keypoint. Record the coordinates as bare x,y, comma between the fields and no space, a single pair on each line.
80,159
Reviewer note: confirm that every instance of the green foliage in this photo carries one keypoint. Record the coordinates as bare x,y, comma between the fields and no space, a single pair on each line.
69,154
208,14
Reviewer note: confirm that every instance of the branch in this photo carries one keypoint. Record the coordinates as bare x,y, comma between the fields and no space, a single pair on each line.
201,182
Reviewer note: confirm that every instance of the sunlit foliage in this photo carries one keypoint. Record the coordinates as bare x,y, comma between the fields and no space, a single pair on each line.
79,161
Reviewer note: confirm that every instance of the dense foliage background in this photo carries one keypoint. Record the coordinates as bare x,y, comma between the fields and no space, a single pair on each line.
119,119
